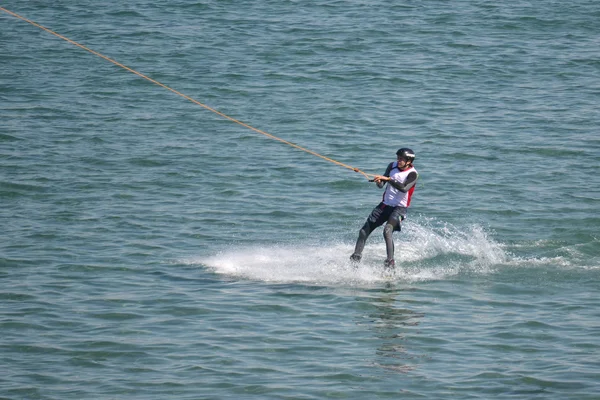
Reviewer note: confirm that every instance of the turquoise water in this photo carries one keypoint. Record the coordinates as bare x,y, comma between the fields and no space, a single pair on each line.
150,249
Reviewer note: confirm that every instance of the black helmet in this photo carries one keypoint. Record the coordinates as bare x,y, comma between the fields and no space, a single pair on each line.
406,153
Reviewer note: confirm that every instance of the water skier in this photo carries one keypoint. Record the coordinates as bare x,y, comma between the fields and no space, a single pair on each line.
401,177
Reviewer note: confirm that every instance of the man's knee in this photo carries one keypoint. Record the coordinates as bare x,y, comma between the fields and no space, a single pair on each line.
365,231
388,230
363,234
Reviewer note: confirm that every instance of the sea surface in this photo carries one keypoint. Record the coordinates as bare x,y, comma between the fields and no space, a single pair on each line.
153,249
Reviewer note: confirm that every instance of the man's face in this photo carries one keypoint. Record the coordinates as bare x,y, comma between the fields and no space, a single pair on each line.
402,162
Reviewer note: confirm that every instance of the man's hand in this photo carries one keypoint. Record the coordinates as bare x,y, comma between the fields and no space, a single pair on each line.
381,179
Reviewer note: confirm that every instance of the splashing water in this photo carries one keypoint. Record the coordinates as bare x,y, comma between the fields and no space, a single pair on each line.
424,252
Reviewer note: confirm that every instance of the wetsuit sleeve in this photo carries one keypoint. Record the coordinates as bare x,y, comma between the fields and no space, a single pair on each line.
387,173
411,180
388,169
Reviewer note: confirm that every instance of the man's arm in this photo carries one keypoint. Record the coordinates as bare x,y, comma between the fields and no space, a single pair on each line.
380,184
411,180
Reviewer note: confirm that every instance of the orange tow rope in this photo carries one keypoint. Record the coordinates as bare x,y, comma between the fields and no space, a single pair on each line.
368,176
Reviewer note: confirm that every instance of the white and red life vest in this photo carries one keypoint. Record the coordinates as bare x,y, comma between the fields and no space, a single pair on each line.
394,197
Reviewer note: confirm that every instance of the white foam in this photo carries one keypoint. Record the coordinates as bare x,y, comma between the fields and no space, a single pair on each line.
426,240
424,252
291,263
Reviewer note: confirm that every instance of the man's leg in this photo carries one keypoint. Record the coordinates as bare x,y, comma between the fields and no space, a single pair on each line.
388,230
363,234
392,224
375,219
